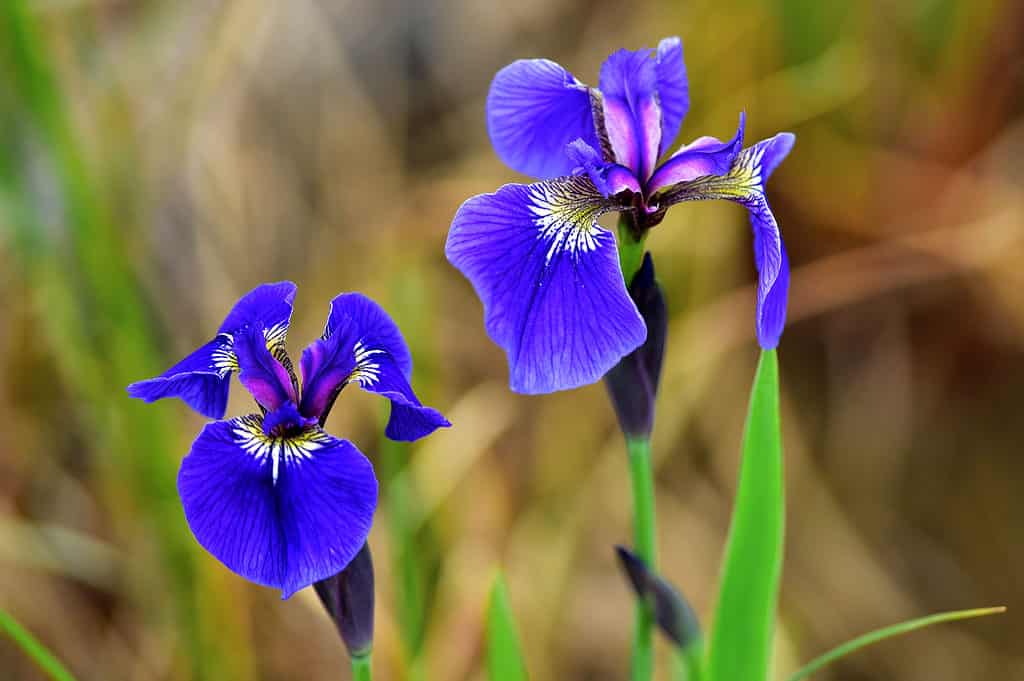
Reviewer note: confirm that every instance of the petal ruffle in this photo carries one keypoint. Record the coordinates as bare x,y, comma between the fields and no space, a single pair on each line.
549,279
673,90
534,109
632,115
196,380
363,344
703,156
281,512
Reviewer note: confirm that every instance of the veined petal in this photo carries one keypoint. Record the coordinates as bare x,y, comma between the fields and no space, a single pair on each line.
673,90
202,380
377,373
267,305
261,373
703,156
534,108
363,344
744,183
632,115
549,279
282,512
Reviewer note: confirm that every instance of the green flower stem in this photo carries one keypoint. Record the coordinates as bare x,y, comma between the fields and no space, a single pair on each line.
639,451
361,668
631,250
688,663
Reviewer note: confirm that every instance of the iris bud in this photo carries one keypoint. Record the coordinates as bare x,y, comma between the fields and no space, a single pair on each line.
672,612
633,382
348,599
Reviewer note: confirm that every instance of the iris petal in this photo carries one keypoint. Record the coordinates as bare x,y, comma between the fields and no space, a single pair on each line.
534,108
282,512
549,279
609,178
260,372
195,380
703,156
744,184
632,115
363,344
673,90
202,380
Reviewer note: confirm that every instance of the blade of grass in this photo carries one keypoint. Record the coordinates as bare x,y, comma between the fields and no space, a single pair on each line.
504,656
44,659
745,615
888,632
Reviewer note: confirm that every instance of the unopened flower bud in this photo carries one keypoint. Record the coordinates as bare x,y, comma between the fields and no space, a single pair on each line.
348,599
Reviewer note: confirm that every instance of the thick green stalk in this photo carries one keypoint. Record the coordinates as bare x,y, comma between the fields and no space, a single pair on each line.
631,250
361,668
645,538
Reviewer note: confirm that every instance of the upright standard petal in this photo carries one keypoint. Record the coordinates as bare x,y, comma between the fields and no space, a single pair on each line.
269,382
673,90
744,184
363,344
202,380
632,115
534,109
549,279
282,512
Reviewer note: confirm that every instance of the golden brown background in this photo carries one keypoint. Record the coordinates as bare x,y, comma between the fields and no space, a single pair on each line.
186,151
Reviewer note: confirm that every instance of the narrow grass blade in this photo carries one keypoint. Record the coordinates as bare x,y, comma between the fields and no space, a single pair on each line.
888,632
43,658
745,616
504,656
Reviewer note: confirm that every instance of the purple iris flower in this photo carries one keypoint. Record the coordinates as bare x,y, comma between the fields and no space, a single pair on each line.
272,495
547,273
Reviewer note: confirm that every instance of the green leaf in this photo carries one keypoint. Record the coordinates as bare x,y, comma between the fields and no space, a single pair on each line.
741,639
888,632
504,656
43,658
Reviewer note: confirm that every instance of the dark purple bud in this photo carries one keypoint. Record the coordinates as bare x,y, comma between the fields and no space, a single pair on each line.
633,382
672,612
348,599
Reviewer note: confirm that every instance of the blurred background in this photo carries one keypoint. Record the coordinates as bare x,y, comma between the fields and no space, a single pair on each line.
159,159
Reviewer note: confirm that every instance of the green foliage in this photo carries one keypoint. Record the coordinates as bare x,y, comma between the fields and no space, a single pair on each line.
888,632
43,658
504,656
745,616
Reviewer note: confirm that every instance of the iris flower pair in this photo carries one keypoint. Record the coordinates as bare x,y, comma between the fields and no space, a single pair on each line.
547,273
272,495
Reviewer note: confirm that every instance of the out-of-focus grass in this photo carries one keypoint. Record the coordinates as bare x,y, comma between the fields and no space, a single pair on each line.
159,159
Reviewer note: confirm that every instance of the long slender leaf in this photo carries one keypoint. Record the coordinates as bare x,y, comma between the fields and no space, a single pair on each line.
43,658
888,632
745,616
504,656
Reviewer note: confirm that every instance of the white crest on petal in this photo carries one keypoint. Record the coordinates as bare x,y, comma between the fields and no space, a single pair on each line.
293,450
565,212
367,371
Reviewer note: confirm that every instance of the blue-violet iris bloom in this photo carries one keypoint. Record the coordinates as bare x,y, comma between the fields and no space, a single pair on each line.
272,495
547,273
